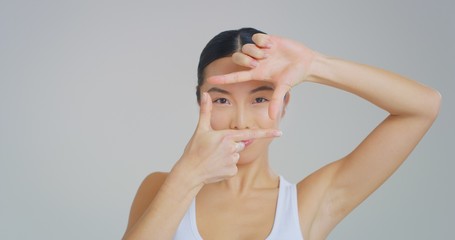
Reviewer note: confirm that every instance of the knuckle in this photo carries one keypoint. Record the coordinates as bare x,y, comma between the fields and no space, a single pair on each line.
256,38
234,158
269,133
253,134
263,40
243,60
236,56
226,138
233,148
260,134
246,48
242,135
233,171
241,146
240,58
252,50
246,135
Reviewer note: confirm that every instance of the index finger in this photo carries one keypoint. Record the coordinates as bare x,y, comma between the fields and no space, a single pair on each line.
239,135
234,77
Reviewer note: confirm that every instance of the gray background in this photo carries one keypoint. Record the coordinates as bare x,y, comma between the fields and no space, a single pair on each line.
94,95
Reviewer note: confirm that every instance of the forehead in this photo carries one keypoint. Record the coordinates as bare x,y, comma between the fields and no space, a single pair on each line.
223,66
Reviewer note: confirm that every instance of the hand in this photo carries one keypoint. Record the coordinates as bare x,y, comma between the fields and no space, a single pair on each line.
281,61
214,154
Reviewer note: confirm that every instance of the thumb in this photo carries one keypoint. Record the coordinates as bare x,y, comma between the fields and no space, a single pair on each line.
205,112
276,103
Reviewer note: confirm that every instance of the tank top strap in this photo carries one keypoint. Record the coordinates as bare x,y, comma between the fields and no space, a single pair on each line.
287,223
188,228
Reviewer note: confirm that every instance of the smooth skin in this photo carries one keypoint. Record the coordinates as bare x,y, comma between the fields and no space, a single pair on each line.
236,193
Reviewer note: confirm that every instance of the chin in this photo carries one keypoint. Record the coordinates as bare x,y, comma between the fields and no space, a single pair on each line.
257,150
244,161
247,157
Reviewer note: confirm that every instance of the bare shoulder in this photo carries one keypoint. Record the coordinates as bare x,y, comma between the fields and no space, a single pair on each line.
152,183
145,195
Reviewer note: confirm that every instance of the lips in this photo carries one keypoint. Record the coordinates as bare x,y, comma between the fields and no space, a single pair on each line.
247,142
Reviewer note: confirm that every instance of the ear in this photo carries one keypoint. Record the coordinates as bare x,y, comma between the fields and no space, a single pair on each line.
285,103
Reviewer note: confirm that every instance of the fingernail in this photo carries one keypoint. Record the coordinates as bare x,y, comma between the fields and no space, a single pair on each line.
266,55
278,133
254,64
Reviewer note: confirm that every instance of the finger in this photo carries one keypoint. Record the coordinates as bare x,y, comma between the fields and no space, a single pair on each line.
262,40
234,77
254,51
235,158
239,146
244,60
239,135
276,103
205,112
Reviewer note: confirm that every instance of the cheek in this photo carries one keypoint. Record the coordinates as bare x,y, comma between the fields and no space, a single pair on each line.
261,116
220,119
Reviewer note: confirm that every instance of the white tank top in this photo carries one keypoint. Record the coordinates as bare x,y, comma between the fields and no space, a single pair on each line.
285,226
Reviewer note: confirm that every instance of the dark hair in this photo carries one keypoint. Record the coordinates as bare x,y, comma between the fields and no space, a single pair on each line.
222,45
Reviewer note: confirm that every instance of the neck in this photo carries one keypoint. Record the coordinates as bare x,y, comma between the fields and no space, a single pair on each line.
255,175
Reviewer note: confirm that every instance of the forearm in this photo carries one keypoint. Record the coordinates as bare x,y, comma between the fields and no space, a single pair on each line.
162,217
389,91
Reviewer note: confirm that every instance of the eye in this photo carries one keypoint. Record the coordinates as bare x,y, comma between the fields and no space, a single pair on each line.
221,101
260,100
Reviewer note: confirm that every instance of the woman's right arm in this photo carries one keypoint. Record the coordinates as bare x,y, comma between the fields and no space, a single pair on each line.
210,156
160,203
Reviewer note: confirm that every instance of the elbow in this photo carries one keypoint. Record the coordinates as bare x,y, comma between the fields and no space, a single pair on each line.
434,104
428,106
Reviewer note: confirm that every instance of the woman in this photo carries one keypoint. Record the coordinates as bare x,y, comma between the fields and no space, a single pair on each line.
223,187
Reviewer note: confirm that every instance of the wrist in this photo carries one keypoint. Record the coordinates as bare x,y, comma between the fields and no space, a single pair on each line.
319,68
186,176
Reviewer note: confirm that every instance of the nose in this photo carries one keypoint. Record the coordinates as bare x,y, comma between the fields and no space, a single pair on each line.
241,119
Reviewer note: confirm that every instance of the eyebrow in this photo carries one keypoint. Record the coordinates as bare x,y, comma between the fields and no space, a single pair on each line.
262,88
215,89
258,89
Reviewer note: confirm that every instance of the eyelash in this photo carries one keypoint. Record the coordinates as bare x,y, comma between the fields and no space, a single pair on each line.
221,99
226,101
263,100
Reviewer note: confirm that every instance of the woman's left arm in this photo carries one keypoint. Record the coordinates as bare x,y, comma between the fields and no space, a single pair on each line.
344,184
412,109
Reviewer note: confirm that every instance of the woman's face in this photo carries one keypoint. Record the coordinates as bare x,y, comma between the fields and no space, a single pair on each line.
240,106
